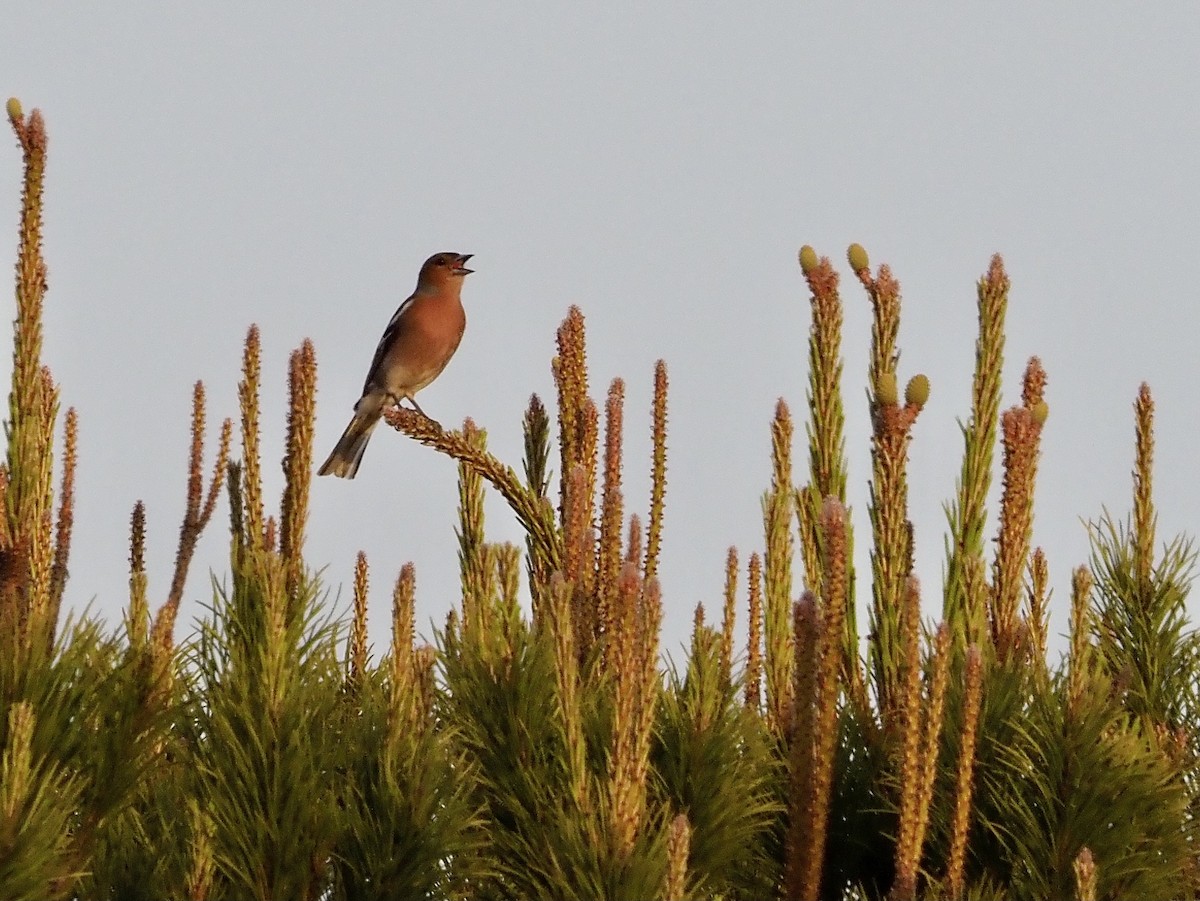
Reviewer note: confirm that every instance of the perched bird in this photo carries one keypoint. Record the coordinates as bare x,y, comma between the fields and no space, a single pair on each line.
416,346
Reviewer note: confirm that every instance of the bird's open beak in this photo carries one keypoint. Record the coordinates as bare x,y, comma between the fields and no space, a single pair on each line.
460,268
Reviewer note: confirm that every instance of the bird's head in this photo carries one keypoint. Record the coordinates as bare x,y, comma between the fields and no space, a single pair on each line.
444,267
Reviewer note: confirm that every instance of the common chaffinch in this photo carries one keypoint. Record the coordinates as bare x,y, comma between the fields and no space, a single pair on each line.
416,346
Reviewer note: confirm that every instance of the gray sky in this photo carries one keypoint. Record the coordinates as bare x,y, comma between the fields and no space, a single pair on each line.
217,165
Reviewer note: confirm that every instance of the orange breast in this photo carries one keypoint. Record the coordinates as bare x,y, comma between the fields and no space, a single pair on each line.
428,336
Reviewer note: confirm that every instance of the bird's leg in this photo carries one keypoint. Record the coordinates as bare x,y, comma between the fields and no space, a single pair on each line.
416,408
428,418
397,402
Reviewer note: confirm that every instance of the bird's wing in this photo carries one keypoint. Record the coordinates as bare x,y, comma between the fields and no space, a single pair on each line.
391,334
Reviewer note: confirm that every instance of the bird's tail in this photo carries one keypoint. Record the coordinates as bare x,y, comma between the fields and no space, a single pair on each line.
348,454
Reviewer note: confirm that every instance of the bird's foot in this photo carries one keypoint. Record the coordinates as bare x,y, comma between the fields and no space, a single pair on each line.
416,408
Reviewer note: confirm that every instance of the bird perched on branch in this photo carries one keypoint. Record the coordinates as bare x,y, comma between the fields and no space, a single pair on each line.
416,346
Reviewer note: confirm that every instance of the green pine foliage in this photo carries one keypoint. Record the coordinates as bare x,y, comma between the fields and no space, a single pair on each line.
261,713
715,761
543,746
